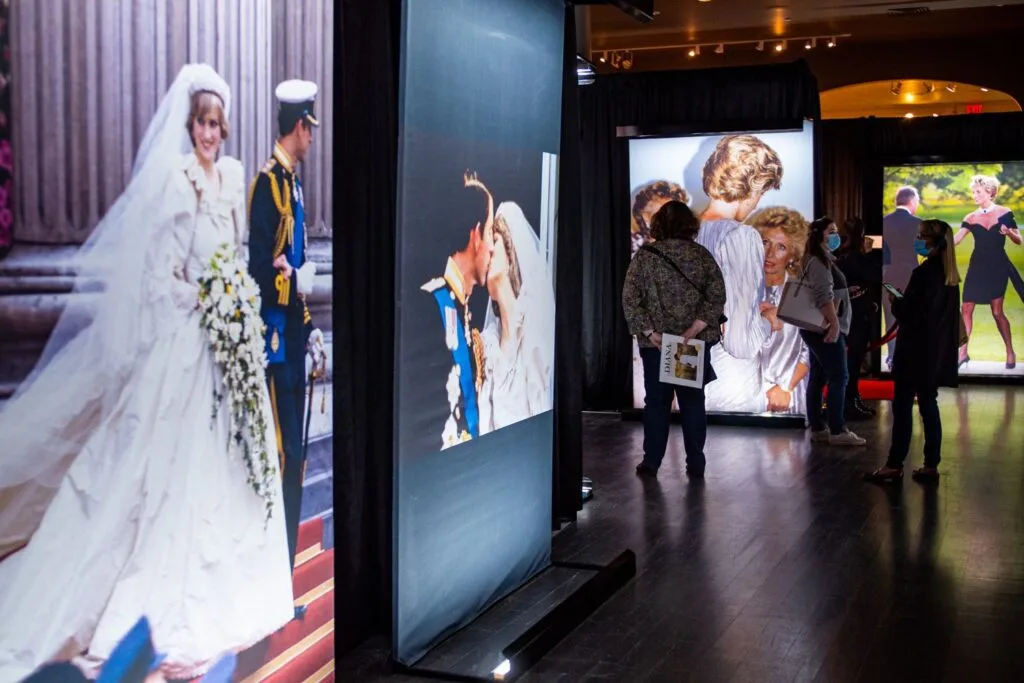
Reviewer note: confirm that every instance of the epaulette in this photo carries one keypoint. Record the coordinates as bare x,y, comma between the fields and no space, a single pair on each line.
433,285
269,166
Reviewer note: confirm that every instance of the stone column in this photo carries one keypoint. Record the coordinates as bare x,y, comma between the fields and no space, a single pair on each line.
87,77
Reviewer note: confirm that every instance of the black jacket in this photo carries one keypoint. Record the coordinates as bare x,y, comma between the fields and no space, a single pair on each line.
928,336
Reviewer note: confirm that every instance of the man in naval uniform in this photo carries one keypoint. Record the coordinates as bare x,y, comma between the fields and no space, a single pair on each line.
279,263
464,270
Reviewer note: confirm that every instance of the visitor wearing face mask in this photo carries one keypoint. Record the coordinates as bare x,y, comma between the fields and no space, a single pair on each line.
827,349
926,351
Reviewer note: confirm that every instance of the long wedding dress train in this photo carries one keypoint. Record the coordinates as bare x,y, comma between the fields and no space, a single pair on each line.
154,515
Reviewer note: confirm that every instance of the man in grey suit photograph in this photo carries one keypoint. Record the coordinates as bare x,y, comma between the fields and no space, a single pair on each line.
899,230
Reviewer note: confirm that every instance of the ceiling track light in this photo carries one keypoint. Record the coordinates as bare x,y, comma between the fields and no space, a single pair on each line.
811,44
831,42
720,50
779,47
951,87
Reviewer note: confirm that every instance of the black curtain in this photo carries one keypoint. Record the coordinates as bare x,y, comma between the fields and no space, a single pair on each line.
365,172
568,462
854,151
714,100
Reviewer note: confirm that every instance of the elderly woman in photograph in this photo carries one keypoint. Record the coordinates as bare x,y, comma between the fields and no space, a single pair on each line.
926,351
647,200
673,287
738,173
990,268
784,356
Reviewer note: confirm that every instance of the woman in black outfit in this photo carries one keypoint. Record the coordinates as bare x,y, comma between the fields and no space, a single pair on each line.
864,277
926,351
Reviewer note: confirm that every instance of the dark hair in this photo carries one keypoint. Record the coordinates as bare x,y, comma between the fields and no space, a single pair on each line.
816,236
854,230
286,120
674,220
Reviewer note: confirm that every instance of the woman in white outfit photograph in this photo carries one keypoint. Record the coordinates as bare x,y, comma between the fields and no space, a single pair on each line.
124,491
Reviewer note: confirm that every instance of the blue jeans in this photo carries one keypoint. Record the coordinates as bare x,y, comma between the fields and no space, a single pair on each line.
927,394
828,366
658,414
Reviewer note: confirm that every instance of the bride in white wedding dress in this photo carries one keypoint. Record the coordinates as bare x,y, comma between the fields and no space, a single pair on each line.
119,494
519,329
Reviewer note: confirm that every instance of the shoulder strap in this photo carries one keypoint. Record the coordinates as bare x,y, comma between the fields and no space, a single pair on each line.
651,249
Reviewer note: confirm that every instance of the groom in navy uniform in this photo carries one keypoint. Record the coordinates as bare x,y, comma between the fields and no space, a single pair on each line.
463,350
278,261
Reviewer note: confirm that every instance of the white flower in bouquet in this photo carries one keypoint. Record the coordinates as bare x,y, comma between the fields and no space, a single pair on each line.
229,307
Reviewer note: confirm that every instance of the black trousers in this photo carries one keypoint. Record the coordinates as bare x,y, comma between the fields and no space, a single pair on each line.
287,394
658,414
856,346
904,391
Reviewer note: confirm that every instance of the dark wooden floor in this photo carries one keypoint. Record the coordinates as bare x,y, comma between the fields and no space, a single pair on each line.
785,566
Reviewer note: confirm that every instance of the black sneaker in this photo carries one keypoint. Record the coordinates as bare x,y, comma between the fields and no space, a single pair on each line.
645,470
855,413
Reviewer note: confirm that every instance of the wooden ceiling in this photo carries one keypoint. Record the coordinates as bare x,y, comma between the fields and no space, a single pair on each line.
681,24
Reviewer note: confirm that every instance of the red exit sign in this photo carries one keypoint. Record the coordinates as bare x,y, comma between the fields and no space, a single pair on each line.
973,108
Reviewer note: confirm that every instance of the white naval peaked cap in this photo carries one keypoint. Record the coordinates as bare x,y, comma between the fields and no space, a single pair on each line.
296,91
296,100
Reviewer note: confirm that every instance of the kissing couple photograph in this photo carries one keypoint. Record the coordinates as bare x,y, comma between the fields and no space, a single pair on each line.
498,372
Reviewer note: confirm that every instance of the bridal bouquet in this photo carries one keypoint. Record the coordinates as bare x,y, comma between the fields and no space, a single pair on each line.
229,304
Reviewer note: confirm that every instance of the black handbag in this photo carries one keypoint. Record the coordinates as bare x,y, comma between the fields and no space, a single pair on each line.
651,249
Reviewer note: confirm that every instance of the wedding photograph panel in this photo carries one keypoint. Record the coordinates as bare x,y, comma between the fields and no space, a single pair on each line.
166,364
474,377
982,203
754,194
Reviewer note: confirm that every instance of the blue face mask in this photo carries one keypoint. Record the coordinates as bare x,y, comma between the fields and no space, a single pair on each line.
834,241
921,248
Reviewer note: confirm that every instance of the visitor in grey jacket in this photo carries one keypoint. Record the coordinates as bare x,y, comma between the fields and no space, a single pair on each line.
828,349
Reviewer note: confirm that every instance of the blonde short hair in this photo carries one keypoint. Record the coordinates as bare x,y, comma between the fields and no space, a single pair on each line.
790,222
986,182
741,166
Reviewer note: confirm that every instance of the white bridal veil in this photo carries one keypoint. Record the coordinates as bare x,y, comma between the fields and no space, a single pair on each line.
118,307
537,296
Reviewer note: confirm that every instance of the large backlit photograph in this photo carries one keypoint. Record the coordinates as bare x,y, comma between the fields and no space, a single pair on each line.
166,475
983,203
754,193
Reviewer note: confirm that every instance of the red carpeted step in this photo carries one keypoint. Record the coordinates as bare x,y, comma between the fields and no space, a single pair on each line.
313,573
310,533
320,612
316,662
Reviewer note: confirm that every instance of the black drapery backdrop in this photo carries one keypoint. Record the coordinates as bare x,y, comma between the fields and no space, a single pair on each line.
568,460
854,152
714,100
365,171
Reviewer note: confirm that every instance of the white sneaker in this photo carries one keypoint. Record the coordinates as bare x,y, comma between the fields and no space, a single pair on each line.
847,438
819,436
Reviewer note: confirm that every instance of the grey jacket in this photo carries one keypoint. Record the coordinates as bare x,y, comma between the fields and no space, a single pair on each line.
829,284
